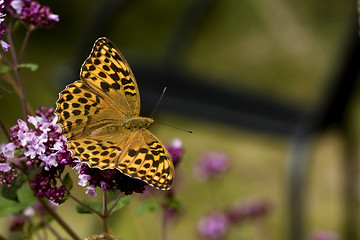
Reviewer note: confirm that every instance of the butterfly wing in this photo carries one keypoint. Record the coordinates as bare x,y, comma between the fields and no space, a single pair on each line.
107,72
81,111
106,93
138,154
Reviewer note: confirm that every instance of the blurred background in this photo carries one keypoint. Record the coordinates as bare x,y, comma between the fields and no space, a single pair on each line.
270,84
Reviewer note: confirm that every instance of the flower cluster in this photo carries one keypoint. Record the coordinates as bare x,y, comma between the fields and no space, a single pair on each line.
37,15
40,146
3,44
211,165
107,180
29,11
216,225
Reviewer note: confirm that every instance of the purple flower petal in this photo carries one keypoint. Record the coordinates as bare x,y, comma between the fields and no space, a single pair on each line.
213,226
17,5
91,191
211,165
5,167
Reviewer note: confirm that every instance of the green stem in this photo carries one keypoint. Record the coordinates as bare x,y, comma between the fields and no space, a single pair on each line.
59,220
113,206
164,225
26,39
105,213
4,130
17,73
84,205
51,229
77,200
6,60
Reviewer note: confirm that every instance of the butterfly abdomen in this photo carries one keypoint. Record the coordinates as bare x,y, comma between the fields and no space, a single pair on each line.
137,123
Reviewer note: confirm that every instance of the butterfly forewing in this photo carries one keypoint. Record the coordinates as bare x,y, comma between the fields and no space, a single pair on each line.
108,73
93,114
81,111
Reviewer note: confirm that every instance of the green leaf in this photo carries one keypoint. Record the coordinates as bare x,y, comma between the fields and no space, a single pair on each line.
173,203
63,200
149,206
19,151
9,207
120,204
11,192
32,66
68,183
94,205
26,196
4,68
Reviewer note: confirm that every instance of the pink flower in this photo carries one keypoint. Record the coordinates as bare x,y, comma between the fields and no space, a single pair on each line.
213,226
211,165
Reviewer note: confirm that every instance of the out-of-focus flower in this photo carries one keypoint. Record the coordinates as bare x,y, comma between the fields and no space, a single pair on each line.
248,209
29,212
213,226
175,150
31,12
324,235
17,222
38,15
211,165
3,44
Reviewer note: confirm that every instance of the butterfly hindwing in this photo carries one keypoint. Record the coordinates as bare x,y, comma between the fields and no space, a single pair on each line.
145,157
137,154
108,73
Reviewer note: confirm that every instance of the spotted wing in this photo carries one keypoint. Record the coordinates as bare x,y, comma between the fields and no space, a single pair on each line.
82,111
138,154
107,72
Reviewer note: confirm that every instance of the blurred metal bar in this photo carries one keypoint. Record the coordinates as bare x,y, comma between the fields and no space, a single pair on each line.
187,94
332,110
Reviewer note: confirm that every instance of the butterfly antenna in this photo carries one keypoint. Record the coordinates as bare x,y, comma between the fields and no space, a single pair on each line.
163,92
181,129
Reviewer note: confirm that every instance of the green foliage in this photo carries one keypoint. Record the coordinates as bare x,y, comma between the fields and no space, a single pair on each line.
4,68
120,204
32,66
149,206
11,192
173,203
94,205
68,183
25,198
19,151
